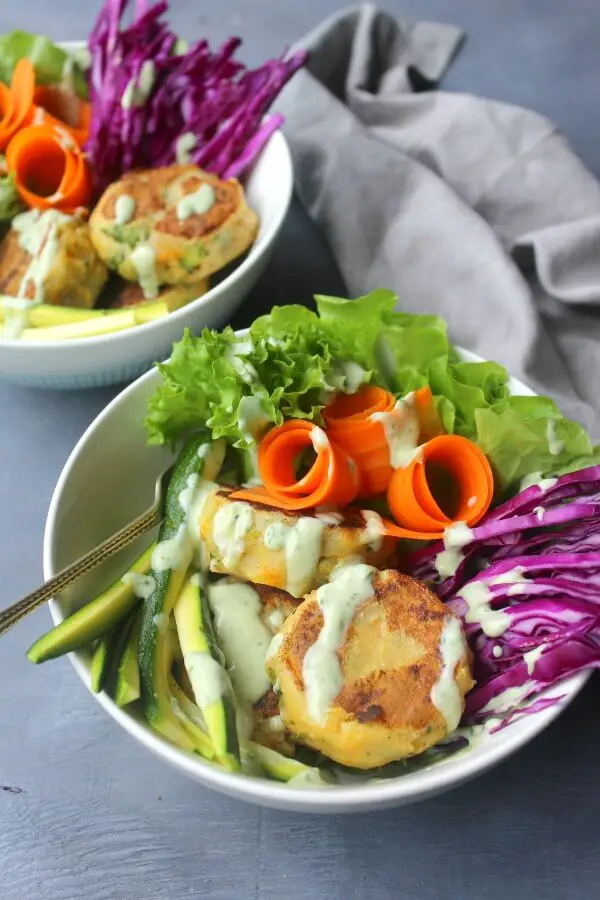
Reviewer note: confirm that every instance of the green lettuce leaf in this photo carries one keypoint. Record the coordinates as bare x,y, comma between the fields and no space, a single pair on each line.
579,462
239,386
397,347
51,63
528,434
468,386
10,203
294,359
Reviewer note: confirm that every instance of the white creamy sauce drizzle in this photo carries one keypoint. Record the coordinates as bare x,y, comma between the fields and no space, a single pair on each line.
184,145
143,260
275,536
83,58
187,495
64,139
139,89
401,429
497,651
16,316
253,471
477,596
319,439
231,525
517,589
198,203
456,537
531,657
346,376
302,545
173,553
540,513
338,601
507,699
354,376
143,586
161,621
208,678
244,369
180,47
536,479
273,650
555,445
243,636
124,209
275,619
195,506
38,237
445,694
252,419
329,516
275,723
374,529
302,554
513,576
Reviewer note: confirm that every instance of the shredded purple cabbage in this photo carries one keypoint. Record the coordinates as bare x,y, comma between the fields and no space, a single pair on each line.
198,92
527,587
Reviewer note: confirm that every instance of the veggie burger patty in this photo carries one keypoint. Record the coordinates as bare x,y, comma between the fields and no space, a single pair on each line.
371,668
191,222
286,550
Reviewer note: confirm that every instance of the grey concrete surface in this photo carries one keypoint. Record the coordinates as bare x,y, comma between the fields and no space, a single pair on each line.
87,813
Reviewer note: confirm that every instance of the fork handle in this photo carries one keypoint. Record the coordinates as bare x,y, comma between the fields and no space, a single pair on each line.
116,542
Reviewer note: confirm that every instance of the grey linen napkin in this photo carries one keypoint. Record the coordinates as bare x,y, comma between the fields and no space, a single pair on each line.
476,210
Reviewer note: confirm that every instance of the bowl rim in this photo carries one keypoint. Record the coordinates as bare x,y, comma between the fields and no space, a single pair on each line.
403,789
255,253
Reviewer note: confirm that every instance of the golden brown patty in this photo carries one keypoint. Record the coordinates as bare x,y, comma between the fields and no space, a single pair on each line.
259,563
75,276
277,605
186,249
128,293
391,661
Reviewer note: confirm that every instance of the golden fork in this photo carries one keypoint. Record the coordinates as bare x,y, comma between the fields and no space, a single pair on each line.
84,564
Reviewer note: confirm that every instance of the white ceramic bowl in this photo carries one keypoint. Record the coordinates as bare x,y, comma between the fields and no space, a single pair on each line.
107,480
115,358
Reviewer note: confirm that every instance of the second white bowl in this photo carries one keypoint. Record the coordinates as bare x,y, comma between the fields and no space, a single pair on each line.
108,479
115,358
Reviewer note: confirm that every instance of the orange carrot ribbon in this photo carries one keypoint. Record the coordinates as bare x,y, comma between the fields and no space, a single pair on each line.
49,169
24,104
332,478
411,497
358,423
16,102
62,109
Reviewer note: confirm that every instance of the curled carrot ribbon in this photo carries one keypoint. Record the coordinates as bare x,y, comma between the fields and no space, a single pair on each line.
332,478
25,103
16,101
62,109
353,458
49,169
359,423
411,495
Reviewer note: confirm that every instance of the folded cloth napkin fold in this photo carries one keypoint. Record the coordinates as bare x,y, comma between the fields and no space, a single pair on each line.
476,210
